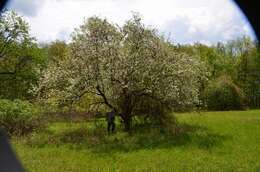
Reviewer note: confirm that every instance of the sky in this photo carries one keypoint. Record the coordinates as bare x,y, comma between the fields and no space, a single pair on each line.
181,21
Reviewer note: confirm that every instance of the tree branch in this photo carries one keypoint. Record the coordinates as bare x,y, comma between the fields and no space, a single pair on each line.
105,98
7,73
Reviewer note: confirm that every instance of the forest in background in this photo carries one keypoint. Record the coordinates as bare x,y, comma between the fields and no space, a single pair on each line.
131,69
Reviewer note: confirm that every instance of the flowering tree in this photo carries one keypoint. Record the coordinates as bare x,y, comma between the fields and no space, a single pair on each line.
130,69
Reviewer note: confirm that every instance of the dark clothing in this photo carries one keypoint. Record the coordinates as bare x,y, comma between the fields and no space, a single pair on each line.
111,127
111,116
111,121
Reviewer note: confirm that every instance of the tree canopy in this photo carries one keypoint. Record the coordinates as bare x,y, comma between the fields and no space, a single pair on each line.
130,69
20,57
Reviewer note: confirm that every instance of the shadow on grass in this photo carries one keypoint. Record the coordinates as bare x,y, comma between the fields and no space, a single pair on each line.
142,137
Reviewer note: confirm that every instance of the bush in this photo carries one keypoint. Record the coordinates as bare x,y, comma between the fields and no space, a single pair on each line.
153,114
18,117
224,94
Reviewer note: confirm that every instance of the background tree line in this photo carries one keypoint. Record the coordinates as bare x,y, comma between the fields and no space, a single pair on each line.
234,73
131,69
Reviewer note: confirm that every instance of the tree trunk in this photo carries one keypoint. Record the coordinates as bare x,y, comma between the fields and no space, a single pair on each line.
127,118
127,122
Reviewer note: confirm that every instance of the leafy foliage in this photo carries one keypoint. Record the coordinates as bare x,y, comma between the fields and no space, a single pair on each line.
20,58
238,59
129,69
18,117
223,94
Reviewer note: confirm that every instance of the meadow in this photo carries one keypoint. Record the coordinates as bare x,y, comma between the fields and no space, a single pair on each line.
206,141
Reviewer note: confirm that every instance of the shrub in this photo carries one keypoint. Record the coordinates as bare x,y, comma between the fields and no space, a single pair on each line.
224,94
18,117
154,114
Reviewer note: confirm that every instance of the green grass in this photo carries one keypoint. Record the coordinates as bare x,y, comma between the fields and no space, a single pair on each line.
210,141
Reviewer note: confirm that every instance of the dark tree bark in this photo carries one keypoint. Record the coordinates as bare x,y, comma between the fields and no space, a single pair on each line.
127,107
127,122
100,93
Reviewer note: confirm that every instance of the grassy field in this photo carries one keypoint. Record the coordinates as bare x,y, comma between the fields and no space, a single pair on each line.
210,141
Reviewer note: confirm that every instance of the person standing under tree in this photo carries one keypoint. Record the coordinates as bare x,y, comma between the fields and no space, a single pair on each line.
111,121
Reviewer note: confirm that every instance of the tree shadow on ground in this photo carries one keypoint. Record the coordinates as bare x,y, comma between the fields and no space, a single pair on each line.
142,137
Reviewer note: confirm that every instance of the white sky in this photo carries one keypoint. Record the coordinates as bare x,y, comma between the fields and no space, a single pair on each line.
183,21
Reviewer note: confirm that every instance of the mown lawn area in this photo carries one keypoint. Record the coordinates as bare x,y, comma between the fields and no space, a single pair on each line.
208,141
